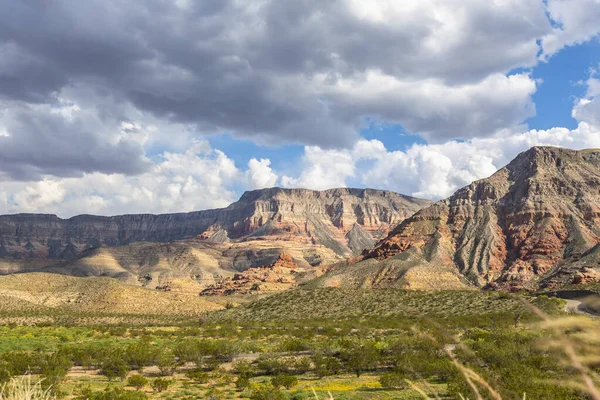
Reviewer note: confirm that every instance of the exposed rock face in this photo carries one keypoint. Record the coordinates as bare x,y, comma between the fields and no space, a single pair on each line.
282,274
313,217
525,226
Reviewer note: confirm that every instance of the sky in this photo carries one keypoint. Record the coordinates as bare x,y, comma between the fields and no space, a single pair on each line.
161,106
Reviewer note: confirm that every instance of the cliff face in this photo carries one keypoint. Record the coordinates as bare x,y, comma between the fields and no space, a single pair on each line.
528,225
313,217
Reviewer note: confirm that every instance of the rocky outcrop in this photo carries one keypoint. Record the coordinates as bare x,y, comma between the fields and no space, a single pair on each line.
312,217
524,227
282,274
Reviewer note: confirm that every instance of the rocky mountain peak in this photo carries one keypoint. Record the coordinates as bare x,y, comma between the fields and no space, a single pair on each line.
523,226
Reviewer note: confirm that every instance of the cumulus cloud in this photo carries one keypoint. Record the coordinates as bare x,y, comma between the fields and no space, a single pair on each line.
324,169
575,22
63,140
260,175
238,67
436,170
101,102
200,178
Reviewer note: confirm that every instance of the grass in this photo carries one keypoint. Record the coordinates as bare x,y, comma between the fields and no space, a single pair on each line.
24,388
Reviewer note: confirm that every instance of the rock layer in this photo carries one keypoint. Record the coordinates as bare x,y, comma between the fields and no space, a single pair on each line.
524,227
317,217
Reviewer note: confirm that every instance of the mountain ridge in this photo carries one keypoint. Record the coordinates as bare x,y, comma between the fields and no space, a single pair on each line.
525,226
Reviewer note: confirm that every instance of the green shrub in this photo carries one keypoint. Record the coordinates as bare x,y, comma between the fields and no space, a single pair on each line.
53,369
265,392
166,363
160,384
295,345
140,354
326,365
242,382
243,368
270,364
5,373
109,393
286,381
137,381
393,380
198,376
114,368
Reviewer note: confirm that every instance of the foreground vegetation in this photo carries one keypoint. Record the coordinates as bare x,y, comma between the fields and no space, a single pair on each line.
308,344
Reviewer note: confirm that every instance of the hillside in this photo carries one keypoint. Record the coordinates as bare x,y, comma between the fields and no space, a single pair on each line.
534,223
42,292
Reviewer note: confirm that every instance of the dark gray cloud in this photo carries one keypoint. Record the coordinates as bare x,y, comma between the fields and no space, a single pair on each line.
274,71
43,141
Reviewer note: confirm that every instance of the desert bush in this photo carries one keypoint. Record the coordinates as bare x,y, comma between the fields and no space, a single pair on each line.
266,392
224,350
189,350
109,393
393,380
20,363
300,365
242,382
166,363
287,381
160,384
243,368
360,357
326,365
53,369
270,364
5,374
140,354
294,345
114,368
137,381
198,375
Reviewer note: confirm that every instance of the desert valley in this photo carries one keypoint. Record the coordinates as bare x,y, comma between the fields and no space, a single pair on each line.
300,200
171,294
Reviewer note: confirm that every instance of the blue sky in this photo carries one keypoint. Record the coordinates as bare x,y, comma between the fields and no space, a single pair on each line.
101,114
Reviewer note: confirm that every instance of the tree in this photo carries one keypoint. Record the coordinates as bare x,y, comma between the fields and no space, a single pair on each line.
137,381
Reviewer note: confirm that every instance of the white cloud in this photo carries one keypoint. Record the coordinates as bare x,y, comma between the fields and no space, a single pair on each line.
435,110
260,175
438,67
324,169
577,21
436,170
197,179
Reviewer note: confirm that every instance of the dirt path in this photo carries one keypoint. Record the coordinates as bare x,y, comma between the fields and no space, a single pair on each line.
575,305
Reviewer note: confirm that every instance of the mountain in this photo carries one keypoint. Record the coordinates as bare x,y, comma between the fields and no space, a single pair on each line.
312,227
534,223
